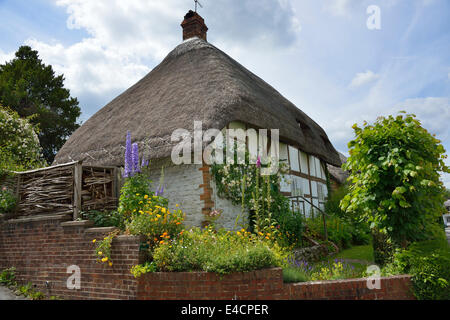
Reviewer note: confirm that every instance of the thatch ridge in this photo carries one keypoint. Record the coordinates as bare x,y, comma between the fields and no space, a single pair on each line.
196,81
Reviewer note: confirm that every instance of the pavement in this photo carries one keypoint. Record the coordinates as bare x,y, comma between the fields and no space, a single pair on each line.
7,294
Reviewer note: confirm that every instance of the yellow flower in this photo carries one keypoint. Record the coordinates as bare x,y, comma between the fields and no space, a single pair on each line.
105,259
100,253
137,194
146,197
93,241
163,210
110,264
177,205
141,212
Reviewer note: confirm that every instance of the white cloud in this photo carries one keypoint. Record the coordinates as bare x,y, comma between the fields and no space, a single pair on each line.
89,67
4,57
363,78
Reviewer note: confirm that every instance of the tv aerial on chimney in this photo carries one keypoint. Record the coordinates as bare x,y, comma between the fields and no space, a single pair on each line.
197,3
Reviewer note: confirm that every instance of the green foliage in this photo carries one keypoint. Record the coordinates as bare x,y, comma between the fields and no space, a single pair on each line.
383,248
31,88
259,194
7,200
133,191
141,269
8,277
105,218
19,143
395,186
103,248
28,291
289,229
221,252
342,232
158,224
429,264
324,270
291,275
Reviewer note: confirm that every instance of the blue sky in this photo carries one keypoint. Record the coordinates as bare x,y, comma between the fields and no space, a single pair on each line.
318,54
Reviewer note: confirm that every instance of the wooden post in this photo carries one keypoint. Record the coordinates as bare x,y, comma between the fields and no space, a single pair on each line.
77,186
115,184
17,191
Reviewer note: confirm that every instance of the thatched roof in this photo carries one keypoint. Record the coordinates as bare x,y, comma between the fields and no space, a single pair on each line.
336,173
196,81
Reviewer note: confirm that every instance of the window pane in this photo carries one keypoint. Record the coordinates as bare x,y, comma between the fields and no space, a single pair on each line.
312,166
314,188
305,184
304,162
317,161
284,185
293,157
322,172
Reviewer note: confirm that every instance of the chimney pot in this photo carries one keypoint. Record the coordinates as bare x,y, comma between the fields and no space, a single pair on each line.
194,26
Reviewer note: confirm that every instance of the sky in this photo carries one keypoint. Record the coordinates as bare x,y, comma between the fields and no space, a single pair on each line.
321,55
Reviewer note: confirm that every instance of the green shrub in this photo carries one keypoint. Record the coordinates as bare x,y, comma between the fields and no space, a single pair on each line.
395,167
428,262
292,274
133,191
105,218
158,224
343,232
7,200
289,229
221,252
8,277
19,143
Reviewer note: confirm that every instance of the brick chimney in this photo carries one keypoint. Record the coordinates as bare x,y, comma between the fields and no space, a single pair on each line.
194,26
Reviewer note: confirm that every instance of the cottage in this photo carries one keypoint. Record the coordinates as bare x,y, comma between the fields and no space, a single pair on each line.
199,82
338,177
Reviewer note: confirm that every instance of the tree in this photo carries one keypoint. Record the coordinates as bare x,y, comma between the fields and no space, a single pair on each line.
19,143
395,185
29,87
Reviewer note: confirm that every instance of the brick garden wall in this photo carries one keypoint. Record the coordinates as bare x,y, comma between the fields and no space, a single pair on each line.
265,285
42,248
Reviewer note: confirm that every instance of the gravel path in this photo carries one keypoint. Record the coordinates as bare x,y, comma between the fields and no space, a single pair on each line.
6,294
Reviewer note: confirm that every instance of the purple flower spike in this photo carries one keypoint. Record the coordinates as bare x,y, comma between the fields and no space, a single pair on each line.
135,158
258,162
128,157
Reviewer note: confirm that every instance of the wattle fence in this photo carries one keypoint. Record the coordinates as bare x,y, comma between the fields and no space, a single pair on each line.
64,189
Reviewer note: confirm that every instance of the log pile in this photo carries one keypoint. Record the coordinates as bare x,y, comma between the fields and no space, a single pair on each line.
98,188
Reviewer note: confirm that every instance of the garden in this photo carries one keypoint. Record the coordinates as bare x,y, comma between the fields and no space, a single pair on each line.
389,213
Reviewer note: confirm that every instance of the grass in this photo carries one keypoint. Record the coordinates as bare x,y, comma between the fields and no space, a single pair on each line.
362,253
